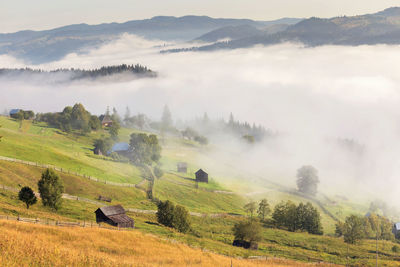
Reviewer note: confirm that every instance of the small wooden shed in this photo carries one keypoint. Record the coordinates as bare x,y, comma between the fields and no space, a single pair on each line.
201,176
115,216
182,167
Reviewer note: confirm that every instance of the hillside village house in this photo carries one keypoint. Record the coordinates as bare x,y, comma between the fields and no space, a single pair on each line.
106,121
115,216
14,112
120,148
201,176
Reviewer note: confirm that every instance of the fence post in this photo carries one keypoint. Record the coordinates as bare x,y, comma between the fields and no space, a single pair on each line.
18,217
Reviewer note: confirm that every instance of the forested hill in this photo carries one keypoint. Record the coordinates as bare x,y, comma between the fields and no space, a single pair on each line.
370,29
135,71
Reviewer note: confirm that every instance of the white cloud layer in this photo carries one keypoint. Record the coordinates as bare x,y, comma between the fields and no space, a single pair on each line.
310,94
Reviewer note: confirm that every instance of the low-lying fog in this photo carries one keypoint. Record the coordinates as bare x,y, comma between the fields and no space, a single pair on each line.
309,95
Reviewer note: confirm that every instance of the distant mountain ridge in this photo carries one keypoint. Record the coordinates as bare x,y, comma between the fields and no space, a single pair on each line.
379,28
43,46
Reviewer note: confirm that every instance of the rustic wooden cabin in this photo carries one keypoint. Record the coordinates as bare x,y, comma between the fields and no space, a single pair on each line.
182,167
201,176
245,244
103,198
115,216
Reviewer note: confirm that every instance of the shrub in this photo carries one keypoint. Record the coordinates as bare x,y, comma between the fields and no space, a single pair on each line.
173,216
181,220
27,195
247,231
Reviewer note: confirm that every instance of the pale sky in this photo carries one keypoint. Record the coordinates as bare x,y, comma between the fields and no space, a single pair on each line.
45,14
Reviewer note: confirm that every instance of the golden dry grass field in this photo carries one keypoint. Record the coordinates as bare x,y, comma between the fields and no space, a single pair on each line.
25,244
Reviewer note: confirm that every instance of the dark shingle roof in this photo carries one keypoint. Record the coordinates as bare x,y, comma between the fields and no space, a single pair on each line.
200,172
120,218
112,210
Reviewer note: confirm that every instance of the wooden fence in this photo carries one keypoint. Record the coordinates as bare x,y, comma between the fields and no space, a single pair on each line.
83,224
66,171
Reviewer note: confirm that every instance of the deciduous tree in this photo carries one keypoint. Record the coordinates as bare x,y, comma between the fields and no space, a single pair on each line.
51,189
307,180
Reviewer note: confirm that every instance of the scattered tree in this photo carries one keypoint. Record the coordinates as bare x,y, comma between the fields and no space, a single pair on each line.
307,180
51,189
353,230
165,213
127,116
145,149
173,216
202,140
263,209
158,172
303,217
114,130
250,207
166,119
104,145
181,220
339,229
249,231
27,195
71,118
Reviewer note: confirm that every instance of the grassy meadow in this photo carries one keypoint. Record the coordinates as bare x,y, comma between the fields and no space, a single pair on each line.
37,245
226,194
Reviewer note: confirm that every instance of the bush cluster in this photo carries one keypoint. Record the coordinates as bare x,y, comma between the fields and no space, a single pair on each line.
173,216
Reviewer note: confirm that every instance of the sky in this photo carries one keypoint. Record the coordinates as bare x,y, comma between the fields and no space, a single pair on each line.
46,14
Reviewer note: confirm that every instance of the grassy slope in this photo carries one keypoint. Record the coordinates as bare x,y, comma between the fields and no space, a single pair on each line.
59,149
36,245
45,145
16,174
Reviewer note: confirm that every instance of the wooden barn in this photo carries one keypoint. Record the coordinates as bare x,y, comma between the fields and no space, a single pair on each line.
115,216
182,167
201,176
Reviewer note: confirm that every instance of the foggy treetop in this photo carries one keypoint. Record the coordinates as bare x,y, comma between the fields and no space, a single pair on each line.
78,74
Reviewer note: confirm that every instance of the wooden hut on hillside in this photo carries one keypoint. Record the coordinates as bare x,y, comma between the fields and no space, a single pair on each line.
182,167
201,176
115,216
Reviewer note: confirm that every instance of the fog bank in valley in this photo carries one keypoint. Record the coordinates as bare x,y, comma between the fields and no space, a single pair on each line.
311,96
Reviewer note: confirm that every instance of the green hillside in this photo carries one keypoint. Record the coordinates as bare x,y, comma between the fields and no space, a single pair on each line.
219,200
